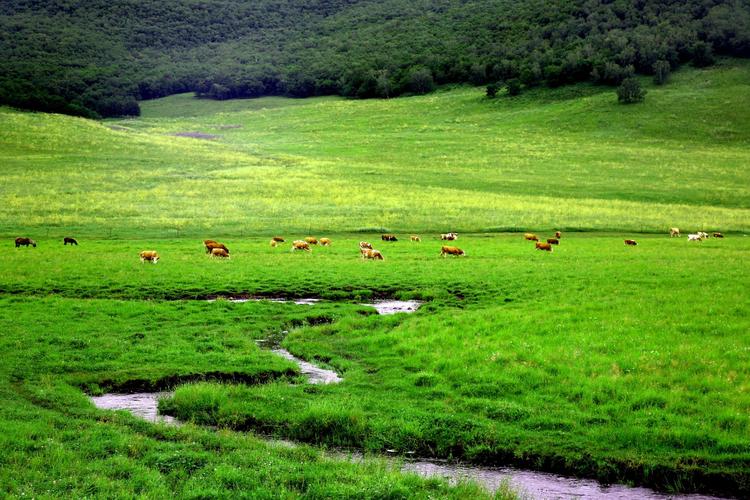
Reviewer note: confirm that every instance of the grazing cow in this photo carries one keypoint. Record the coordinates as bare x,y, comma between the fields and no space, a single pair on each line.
674,231
531,237
694,237
365,244
631,243
369,253
704,236
718,235
210,245
449,236
300,245
149,255
543,246
414,237
388,237
553,241
325,242
25,242
278,239
274,243
311,240
219,252
451,251
70,240
558,234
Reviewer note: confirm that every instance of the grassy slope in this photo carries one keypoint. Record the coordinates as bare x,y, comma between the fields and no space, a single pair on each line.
569,158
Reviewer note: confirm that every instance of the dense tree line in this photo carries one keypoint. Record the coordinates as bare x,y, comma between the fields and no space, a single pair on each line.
97,57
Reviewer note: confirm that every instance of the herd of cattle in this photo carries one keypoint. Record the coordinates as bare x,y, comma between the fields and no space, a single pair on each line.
366,250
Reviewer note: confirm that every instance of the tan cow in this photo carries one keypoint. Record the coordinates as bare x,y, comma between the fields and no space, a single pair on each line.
451,251
365,244
219,252
531,237
543,246
674,232
369,253
631,243
325,242
301,245
311,240
416,238
274,243
149,255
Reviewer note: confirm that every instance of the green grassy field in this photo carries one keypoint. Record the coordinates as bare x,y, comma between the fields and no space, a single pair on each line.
621,363
569,158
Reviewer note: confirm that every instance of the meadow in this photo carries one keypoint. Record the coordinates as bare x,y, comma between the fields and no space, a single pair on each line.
625,364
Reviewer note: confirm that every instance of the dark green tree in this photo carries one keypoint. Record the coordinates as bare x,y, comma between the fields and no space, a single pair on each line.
630,91
492,89
514,86
661,72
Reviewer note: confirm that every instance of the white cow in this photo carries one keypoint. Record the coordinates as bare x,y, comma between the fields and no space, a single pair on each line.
694,237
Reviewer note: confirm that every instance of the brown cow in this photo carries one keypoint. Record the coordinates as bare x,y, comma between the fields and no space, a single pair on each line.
149,255
214,244
558,234
219,252
369,253
211,244
451,251
553,241
300,245
311,240
325,242
414,237
449,236
365,244
631,243
531,237
718,235
70,240
388,237
278,239
543,246
25,242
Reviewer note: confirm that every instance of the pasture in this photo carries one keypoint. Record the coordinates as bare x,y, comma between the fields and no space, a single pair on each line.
623,363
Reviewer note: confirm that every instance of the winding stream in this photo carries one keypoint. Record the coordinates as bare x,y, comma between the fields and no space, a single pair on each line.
533,484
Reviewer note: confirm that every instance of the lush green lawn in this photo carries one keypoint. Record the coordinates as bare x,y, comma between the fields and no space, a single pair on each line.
624,363
566,158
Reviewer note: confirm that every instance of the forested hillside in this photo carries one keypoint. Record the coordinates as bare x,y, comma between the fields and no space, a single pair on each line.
97,57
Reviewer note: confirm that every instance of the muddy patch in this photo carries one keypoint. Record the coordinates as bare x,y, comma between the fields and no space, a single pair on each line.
196,135
228,127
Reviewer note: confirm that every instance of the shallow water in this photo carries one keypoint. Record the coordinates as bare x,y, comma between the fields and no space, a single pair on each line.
540,485
395,306
533,484
314,374
142,404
